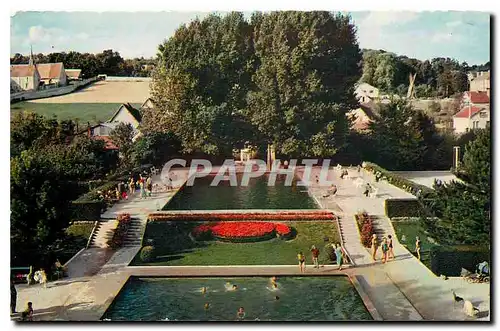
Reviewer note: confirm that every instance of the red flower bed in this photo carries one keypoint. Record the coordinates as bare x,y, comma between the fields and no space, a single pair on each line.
121,230
283,229
241,231
366,229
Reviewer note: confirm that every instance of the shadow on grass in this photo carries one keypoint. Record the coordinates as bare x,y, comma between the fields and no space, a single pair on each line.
170,239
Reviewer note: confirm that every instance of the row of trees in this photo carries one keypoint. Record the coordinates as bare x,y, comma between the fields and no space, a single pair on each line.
107,62
285,78
439,77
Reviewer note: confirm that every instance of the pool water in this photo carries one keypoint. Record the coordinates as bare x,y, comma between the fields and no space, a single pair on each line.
257,195
176,299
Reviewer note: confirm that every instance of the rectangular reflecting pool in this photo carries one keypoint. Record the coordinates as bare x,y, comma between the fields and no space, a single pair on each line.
182,299
257,195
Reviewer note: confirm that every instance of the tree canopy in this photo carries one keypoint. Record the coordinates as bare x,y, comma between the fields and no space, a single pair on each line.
284,78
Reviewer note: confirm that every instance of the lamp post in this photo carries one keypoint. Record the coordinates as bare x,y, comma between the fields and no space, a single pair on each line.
456,156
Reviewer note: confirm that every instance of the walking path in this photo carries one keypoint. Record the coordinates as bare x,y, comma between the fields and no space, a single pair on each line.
429,295
400,290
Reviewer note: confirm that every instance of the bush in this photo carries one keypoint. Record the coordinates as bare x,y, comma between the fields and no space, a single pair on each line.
95,194
330,252
449,260
86,210
403,208
148,253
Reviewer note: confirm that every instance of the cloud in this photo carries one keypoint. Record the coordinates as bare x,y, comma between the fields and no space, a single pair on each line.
82,36
381,19
447,37
453,24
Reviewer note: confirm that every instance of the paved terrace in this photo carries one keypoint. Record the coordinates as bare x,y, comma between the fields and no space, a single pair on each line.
400,290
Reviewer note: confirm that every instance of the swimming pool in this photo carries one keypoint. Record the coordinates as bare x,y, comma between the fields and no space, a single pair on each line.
257,195
181,299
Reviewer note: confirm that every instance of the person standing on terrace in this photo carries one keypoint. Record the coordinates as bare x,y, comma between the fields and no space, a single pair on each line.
418,244
302,262
315,255
374,247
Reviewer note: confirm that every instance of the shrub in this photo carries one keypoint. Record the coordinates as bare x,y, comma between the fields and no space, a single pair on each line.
86,210
330,252
403,208
449,260
147,254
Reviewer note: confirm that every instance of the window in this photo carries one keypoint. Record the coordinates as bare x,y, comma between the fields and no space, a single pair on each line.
475,124
487,124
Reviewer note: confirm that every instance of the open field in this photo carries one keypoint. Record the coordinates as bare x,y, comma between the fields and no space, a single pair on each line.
85,112
105,92
174,246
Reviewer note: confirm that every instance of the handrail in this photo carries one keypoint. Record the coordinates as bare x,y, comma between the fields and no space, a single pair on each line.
91,234
343,241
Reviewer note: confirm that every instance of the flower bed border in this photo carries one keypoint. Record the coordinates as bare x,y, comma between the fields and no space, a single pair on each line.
208,234
116,241
364,221
224,216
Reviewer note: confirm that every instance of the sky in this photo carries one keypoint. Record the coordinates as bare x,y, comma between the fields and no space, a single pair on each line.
464,36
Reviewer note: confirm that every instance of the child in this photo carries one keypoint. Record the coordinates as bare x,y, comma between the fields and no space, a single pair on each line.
27,314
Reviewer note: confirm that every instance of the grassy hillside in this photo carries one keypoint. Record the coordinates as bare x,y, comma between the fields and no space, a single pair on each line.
84,112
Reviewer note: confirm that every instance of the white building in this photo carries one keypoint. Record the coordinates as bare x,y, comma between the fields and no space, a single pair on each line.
365,93
471,117
24,77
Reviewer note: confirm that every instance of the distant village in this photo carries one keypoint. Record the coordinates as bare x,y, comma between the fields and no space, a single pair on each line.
473,112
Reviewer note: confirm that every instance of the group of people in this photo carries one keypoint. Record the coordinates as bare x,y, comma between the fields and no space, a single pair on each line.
338,251
144,184
387,248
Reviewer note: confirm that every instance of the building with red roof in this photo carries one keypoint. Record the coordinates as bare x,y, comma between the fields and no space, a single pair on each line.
475,98
471,117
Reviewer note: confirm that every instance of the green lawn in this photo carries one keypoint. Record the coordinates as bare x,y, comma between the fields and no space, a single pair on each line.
85,112
174,247
411,230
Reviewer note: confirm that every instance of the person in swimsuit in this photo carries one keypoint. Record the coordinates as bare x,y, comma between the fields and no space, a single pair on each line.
302,262
391,251
339,253
417,247
374,247
241,313
203,290
385,249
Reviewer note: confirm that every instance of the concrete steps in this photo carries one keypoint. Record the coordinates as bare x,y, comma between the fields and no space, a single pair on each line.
106,228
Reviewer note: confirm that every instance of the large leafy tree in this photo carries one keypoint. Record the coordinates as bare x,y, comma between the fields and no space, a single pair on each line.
201,83
155,148
463,208
308,64
477,160
123,135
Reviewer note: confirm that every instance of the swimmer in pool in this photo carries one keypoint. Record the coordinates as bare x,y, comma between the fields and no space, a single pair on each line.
207,306
275,286
276,298
241,313
235,287
273,282
203,290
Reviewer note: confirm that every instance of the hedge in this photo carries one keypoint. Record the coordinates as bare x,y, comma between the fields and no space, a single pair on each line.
147,254
86,210
93,195
403,208
397,180
365,226
449,260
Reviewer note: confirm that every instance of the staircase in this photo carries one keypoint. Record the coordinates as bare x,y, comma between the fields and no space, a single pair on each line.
103,232
351,240
105,229
382,227
134,233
